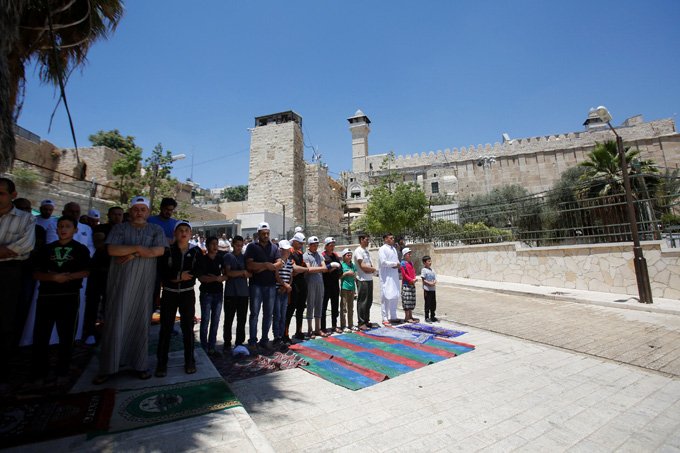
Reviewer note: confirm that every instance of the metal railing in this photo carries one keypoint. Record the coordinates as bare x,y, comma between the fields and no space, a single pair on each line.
559,217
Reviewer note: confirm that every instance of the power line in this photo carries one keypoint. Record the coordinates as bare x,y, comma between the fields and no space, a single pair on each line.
211,160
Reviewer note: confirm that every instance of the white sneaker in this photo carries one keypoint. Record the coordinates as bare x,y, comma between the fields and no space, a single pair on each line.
90,340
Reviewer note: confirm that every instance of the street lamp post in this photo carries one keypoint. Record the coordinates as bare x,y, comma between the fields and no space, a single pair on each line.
284,217
641,272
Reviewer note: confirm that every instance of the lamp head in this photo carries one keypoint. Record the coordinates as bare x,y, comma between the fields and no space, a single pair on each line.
603,114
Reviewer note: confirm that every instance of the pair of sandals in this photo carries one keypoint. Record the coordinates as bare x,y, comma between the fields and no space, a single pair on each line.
318,333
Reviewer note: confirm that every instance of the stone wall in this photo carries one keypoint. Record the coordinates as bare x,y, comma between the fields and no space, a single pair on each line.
536,163
277,169
605,268
324,198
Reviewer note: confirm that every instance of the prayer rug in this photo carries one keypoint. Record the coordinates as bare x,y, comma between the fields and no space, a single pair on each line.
416,337
360,360
45,418
262,364
140,408
432,330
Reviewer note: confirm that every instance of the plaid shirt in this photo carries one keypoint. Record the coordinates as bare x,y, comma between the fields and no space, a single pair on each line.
17,233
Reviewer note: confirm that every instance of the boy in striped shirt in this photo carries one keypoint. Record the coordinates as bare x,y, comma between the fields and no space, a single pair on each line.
283,290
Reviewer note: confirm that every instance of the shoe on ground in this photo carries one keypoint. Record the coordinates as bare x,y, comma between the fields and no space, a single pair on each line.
428,320
90,341
214,353
276,343
347,329
299,336
161,372
264,347
287,341
338,330
433,319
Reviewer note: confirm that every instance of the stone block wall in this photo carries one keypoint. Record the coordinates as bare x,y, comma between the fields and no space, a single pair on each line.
605,268
324,204
535,163
277,169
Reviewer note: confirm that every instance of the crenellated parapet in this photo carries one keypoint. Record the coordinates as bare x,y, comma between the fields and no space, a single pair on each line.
528,145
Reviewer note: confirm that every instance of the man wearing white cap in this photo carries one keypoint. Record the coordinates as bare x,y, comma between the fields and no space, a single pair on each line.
331,285
315,266
93,217
389,279
45,218
298,296
134,246
262,260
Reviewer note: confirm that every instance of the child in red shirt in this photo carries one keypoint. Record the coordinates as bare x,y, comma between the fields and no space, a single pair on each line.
408,286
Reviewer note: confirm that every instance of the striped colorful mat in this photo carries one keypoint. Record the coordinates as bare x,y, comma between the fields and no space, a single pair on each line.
358,360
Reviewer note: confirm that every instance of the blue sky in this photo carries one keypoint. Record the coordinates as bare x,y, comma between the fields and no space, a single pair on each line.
430,75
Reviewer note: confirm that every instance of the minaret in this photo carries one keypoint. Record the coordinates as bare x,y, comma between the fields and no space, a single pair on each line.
358,126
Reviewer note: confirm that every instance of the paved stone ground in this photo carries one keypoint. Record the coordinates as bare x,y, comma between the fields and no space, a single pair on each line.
516,391
647,340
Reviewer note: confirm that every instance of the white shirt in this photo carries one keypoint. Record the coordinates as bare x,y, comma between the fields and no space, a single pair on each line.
362,254
45,223
223,245
389,275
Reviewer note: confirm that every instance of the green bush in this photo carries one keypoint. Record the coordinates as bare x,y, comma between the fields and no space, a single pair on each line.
24,176
670,219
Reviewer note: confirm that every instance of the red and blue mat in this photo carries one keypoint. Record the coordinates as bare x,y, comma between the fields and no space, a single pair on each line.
357,360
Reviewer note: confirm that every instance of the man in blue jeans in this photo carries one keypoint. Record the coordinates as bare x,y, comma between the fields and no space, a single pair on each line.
262,260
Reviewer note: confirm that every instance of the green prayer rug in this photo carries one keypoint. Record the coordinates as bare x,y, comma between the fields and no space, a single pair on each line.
140,408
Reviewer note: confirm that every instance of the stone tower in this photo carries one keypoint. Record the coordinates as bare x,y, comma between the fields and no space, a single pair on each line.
277,167
358,126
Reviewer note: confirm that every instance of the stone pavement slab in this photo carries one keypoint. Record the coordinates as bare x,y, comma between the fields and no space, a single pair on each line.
507,394
660,305
649,340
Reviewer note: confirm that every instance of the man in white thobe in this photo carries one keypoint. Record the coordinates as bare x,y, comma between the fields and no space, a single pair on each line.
389,279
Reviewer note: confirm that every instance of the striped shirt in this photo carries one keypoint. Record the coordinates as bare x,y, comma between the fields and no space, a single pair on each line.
286,272
17,233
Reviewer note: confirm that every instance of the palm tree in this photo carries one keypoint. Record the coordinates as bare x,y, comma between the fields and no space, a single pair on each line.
603,170
58,35
603,196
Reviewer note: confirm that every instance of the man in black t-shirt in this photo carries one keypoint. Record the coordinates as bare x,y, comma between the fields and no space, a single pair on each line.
262,259
331,285
60,267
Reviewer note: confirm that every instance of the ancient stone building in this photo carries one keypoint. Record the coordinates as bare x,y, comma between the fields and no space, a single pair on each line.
536,163
280,176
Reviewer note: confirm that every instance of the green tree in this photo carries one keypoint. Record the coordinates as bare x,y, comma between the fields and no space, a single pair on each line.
157,178
127,168
236,193
395,210
26,36
668,192
603,171
502,207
